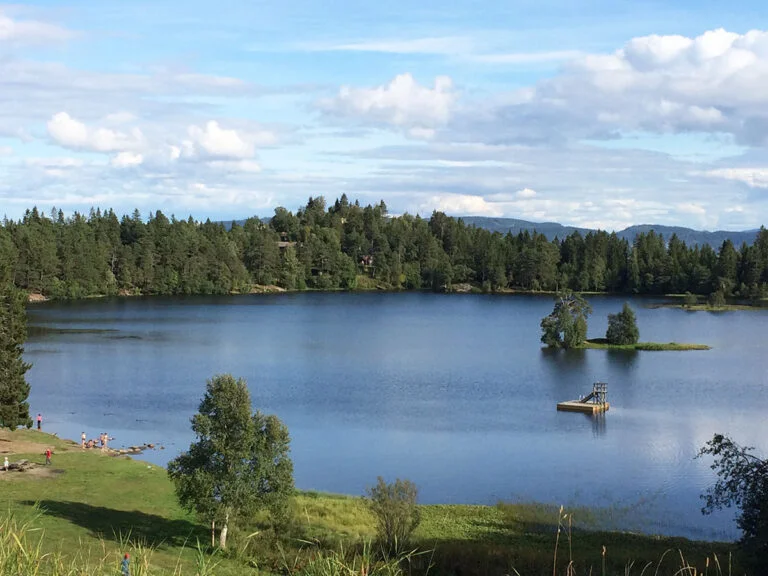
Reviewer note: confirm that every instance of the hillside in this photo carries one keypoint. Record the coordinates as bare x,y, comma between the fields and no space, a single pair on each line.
552,229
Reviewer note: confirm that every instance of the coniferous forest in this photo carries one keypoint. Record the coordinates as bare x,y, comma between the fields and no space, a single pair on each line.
346,246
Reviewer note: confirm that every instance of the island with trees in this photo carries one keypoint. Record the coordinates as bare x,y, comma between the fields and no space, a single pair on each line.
566,327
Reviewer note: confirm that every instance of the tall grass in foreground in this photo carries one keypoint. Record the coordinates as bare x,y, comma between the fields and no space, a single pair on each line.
677,565
22,554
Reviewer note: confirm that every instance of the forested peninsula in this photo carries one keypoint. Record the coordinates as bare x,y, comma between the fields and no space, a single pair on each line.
345,246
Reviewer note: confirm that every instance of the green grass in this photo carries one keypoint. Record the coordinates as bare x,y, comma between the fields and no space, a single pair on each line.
603,344
95,506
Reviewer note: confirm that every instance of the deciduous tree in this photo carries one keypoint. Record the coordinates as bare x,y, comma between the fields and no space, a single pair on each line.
239,462
742,482
622,327
566,326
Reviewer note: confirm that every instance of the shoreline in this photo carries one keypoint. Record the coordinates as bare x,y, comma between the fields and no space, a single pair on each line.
589,518
261,289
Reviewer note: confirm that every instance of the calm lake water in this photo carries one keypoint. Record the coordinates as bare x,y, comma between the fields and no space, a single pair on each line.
451,391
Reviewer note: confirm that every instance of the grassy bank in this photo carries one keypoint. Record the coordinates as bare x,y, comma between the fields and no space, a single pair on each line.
603,344
707,307
89,508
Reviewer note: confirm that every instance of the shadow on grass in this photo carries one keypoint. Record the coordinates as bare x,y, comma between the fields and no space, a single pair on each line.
116,525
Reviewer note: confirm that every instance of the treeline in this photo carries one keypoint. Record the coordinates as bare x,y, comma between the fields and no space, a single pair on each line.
347,246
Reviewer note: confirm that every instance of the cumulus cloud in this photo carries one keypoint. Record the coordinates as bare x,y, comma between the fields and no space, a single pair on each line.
403,103
30,31
461,204
71,133
712,83
213,141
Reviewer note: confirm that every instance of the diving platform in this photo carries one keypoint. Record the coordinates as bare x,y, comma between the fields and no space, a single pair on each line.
594,403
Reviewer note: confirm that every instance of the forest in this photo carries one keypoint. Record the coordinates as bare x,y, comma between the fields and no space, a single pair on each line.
345,246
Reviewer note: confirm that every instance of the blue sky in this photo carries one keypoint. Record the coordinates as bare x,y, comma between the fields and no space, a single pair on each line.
594,113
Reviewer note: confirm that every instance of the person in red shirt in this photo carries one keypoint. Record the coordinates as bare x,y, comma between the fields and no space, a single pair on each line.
47,456
39,421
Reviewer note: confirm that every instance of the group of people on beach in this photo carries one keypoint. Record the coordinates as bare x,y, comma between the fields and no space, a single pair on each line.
103,441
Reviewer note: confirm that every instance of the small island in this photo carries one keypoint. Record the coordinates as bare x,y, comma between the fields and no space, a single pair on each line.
566,327
603,344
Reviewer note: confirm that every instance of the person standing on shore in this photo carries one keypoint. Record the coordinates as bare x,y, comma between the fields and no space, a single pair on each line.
6,464
124,568
39,421
47,456
82,440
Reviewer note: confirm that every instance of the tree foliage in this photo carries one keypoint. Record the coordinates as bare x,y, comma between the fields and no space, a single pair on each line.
622,327
14,389
566,326
742,482
396,512
239,462
328,245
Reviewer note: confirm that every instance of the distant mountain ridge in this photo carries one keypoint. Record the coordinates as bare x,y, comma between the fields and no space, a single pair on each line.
552,229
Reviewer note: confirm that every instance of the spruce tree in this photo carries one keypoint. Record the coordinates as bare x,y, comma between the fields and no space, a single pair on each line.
14,389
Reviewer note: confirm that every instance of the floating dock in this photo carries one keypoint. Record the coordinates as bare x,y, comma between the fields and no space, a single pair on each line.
594,403
583,407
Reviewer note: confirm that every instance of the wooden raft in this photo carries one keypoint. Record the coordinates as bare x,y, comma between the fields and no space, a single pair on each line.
594,403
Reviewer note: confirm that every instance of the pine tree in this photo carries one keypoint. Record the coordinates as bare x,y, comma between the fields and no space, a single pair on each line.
14,389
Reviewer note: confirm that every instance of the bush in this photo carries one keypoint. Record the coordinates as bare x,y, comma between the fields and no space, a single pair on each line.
717,299
397,515
690,300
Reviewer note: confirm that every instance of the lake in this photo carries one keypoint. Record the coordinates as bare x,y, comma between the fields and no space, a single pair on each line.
453,392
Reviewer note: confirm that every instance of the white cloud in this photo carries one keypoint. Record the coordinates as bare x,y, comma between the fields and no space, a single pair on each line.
213,141
713,83
525,193
402,103
752,177
30,31
459,204
127,159
71,133
6,150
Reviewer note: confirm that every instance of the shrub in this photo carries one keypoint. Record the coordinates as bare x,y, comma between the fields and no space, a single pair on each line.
397,515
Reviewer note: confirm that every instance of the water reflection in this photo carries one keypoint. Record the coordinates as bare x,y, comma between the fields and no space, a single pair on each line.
598,424
623,360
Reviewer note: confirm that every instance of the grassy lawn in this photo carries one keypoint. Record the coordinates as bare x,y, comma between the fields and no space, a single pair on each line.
603,344
92,505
